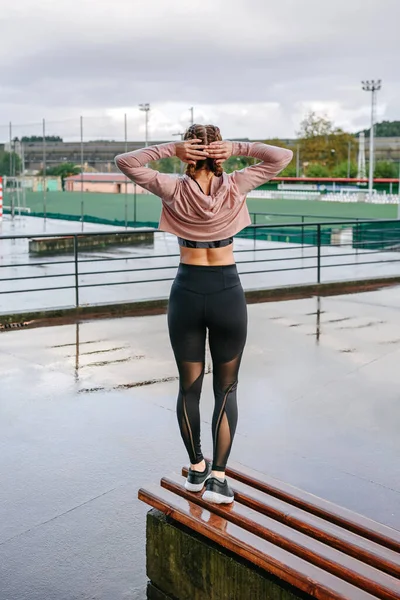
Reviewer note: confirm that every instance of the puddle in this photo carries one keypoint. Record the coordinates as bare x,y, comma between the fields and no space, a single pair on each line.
113,362
97,351
127,386
339,320
80,343
363,325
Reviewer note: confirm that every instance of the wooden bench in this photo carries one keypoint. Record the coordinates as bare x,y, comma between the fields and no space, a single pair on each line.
321,549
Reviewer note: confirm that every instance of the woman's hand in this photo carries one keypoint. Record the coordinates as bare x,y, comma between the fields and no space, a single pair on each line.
220,151
190,151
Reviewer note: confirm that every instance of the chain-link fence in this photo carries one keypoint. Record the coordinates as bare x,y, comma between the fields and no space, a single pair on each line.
49,168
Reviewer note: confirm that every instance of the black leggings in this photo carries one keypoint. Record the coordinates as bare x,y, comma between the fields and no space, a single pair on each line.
207,298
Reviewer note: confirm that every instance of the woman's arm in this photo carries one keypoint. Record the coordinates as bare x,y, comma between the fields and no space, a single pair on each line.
132,164
273,160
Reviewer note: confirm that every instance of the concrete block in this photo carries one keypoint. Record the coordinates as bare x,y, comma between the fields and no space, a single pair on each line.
184,565
65,244
154,593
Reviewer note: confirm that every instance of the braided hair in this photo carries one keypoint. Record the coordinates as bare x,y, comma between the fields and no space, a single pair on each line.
207,134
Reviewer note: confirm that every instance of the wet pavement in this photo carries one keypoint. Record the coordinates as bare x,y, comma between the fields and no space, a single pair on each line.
261,264
87,416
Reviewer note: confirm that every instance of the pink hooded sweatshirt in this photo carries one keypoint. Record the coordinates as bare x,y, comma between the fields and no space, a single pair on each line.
189,213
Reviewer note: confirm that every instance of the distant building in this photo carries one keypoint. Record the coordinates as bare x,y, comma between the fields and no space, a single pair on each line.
111,183
34,183
99,155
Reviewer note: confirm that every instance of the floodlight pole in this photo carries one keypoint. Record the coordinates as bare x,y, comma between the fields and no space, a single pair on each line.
372,86
146,109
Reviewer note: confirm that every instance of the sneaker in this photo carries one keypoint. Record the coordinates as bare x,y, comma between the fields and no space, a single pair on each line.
218,491
196,479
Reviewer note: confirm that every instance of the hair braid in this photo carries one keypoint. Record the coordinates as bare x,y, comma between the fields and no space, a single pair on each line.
207,134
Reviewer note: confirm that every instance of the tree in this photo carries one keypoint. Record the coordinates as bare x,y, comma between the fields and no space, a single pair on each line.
385,170
385,129
289,171
171,164
39,138
235,163
10,161
314,126
316,170
62,170
341,170
320,142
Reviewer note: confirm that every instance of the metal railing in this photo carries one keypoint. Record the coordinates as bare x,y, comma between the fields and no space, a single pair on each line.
303,217
307,248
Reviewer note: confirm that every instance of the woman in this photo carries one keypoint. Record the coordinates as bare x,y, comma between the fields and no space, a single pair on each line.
205,208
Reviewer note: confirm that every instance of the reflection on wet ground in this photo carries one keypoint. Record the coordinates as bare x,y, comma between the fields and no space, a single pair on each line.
88,417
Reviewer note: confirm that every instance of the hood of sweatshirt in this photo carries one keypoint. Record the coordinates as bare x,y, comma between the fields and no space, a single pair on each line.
190,201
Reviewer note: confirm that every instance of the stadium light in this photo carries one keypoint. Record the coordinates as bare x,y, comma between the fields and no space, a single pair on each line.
146,109
372,86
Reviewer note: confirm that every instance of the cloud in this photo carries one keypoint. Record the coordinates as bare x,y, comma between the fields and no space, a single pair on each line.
253,66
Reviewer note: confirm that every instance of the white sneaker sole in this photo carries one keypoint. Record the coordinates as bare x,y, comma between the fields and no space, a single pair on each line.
217,498
195,487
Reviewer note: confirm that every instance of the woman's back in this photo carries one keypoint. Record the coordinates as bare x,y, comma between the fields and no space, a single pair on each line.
189,212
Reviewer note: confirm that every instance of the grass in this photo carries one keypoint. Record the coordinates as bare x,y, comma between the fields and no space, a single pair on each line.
111,207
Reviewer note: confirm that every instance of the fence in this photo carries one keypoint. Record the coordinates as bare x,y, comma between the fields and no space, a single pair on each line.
371,244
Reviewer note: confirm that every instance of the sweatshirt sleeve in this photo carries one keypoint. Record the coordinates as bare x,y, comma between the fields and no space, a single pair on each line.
273,160
132,164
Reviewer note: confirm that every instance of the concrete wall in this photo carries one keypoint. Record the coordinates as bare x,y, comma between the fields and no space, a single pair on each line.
183,565
65,244
104,187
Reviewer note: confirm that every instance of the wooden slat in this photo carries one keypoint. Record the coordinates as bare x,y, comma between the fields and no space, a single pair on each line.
292,569
359,524
346,541
331,560
354,544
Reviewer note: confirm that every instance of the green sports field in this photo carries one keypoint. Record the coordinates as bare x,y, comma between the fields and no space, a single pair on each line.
111,208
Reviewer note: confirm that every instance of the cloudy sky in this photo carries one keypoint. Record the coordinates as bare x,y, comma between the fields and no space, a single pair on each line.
254,67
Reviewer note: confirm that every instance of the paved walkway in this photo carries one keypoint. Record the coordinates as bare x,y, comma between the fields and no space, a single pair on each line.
87,417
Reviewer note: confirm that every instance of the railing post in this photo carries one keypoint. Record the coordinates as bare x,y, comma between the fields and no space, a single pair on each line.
318,253
76,271
302,231
134,204
82,214
357,235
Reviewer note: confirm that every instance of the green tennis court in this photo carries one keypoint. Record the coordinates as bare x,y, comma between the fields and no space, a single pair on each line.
115,208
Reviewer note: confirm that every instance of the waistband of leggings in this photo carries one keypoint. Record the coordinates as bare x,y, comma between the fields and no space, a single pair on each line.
187,268
207,280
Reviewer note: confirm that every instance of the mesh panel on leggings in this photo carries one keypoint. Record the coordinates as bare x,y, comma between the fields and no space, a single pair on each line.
225,411
188,407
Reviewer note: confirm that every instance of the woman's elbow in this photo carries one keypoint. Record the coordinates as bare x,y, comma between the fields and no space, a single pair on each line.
119,161
288,155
